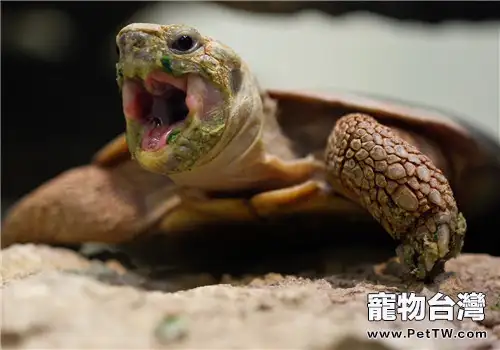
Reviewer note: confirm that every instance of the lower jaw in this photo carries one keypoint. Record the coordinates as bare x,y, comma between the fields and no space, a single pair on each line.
161,161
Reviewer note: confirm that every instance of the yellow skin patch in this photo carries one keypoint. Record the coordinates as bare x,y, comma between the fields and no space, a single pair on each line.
145,49
238,145
228,147
365,161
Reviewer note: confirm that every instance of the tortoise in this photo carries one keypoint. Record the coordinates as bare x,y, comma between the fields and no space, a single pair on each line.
205,143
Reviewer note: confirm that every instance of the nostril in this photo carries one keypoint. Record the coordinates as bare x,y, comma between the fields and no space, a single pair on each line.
137,39
129,41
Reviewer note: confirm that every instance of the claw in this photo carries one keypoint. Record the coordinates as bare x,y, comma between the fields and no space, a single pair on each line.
401,188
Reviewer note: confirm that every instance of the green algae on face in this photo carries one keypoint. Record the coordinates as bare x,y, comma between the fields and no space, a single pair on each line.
147,48
173,135
166,62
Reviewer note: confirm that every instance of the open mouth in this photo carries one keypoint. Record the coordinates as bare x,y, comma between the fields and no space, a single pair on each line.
164,104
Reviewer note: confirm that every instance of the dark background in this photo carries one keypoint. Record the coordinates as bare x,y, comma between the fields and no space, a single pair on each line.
55,115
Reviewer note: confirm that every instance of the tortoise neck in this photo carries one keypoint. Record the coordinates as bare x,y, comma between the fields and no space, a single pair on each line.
274,140
241,162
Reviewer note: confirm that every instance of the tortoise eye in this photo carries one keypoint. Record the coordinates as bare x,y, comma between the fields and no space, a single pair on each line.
184,43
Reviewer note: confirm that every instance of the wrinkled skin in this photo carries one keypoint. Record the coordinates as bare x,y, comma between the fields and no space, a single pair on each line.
209,72
197,120
365,161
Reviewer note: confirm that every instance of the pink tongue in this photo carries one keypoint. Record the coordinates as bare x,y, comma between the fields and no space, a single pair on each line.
155,138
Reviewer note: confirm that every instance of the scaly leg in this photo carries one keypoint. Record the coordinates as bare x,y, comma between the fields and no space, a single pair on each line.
400,187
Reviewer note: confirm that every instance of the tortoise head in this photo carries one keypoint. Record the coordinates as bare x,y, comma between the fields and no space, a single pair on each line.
180,91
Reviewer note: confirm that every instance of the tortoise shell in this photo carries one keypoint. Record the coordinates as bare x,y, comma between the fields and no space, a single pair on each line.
114,200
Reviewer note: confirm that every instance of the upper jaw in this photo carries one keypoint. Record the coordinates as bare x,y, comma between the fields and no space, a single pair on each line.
156,80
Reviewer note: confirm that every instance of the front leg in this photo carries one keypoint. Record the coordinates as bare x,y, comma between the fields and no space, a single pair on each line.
400,187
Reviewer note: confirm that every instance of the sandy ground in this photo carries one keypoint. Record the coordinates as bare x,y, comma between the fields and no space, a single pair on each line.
55,298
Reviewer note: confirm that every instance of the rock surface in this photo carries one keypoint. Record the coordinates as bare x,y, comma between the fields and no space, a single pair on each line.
55,298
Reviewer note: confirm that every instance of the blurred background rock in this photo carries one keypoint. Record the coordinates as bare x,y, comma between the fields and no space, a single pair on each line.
60,102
